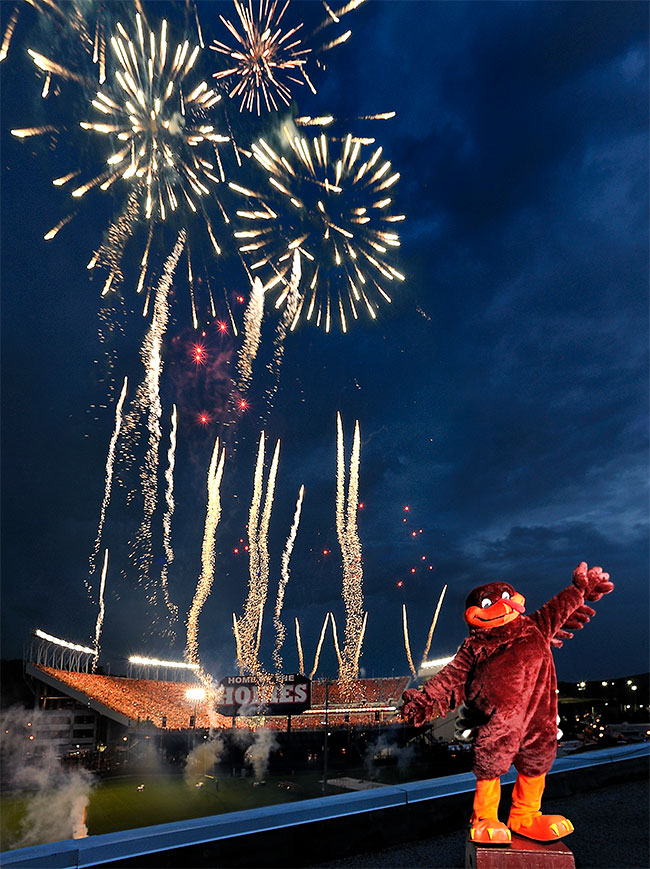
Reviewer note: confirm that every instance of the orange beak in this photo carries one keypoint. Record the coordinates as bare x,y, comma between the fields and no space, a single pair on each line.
500,613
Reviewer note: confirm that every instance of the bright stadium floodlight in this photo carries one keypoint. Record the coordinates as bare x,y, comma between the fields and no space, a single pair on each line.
439,662
64,643
195,693
155,662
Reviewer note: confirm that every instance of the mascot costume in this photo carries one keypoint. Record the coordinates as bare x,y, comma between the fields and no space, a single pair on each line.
504,676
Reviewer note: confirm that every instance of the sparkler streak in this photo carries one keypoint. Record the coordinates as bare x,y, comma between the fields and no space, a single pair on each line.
100,616
301,657
250,625
167,522
319,646
252,335
407,644
110,462
149,399
280,630
348,536
204,585
434,623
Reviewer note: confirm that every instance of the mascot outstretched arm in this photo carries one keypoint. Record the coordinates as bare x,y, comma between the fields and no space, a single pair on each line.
504,675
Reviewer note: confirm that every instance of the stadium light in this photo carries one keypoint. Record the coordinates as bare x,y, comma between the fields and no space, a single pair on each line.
64,643
155,662
439,662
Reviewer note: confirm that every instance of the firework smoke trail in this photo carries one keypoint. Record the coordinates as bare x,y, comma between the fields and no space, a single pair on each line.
167,523
280,630
407,644
100,615
110,462
151,355
204,585
347,532
301,657
433,623
319,646
252,334
250,625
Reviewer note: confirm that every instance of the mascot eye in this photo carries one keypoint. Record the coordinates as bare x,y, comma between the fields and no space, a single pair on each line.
486,602
506,594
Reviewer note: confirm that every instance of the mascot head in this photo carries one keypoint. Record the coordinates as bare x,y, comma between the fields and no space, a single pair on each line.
493,605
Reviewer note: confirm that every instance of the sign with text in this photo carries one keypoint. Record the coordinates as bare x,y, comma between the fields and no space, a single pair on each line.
291,695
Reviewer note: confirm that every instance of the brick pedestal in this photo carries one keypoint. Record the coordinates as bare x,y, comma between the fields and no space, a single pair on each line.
520,854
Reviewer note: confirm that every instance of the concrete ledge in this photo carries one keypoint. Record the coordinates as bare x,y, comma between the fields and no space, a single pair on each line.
274,832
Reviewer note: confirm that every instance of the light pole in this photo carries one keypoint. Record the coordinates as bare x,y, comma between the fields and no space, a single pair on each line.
327,706
194,694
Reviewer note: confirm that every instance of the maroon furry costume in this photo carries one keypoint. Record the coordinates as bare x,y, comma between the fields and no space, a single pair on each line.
505,675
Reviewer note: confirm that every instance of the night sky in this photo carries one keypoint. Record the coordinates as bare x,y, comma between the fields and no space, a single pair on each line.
502,396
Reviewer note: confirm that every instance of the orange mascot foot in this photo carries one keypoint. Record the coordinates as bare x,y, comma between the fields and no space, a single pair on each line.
490,831
542,828
485,826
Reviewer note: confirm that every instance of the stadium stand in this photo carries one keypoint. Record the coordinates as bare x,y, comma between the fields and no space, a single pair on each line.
164,704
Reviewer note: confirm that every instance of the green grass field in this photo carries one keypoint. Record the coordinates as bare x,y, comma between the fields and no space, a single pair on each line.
117,804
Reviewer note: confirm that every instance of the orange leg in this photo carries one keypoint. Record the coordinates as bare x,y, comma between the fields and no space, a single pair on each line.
485,826
526,818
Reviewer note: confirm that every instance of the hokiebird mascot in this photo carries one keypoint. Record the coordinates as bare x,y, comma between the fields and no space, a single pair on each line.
504,675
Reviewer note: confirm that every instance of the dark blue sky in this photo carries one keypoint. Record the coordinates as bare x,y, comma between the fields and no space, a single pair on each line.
503,396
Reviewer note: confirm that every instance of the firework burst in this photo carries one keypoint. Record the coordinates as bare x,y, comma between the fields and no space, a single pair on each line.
162,143
266,56
330,200
264,59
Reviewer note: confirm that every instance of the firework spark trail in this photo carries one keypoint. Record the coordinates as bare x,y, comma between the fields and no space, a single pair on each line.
433,623
110,462
250,625
252,334
319,646
100,616
263,545
357,651
235,630
6,41
348,535
288,321
167,524
204,585
330,201
337,648
301,658
151,355
280,630
407,644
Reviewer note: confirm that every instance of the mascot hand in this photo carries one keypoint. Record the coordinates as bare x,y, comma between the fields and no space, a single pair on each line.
418,708
593,583
579,618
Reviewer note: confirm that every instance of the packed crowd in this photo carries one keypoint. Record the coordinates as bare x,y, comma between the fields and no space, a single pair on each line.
165,704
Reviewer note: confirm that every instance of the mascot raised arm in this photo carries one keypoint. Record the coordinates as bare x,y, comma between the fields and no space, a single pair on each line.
504,675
